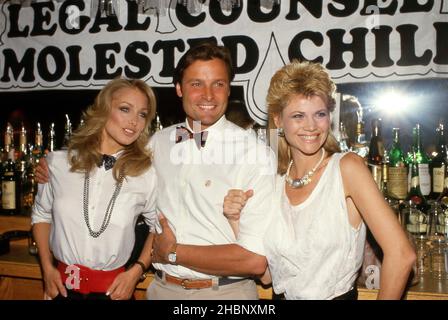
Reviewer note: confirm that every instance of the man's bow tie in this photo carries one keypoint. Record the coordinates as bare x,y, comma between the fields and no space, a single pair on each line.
108,161
183,134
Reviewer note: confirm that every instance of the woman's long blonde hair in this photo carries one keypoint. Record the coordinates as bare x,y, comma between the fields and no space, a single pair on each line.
299,78
84,146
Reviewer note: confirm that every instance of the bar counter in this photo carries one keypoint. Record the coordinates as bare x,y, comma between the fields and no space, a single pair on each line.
21,276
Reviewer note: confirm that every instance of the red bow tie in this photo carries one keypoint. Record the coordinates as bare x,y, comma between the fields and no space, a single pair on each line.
183,134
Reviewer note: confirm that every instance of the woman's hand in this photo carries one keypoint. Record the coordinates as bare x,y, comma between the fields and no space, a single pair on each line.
124,284
53,283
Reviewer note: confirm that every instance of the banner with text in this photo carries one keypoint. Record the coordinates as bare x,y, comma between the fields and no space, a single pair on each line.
65,45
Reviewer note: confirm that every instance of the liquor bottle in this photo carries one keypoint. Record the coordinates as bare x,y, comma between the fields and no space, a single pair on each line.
344,143
397,175
376,153
28,189
438,164
419,155
9,149
360,146
21,152
51,142
8,181
415,206
21,182
156,124
67,133
38,149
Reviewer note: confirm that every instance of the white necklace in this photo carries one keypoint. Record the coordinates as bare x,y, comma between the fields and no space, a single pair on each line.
300,182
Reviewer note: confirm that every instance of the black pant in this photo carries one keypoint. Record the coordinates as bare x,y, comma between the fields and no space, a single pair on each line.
349,295
73,295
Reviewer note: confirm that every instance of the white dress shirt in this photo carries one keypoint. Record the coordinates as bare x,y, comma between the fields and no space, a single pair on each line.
193,182
60,203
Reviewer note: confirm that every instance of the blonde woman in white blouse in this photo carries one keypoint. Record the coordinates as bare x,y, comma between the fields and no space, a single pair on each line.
315,242
84,217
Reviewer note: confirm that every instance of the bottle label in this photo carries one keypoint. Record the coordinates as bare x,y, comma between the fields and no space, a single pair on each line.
397,184
22,139
438,179
9,195
415,182
425,178
377,173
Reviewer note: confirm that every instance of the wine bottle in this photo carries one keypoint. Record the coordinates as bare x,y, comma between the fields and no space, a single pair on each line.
438,164
376,153
344,143
38,150
416,219
9,149
21,153
20,184
419,155
67,133
360,146
51,142
8,180
397,175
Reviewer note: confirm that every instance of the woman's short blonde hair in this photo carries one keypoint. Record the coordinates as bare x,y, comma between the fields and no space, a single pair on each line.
85,142
299,78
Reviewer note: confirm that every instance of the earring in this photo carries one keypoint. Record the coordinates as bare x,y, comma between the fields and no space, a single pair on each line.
280,132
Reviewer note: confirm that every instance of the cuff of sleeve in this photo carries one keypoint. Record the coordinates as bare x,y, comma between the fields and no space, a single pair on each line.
39,219
251,243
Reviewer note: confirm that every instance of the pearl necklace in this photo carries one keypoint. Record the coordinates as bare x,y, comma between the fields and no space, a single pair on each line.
300,182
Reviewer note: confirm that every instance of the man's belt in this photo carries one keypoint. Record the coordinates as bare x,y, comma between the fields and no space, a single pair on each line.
196,283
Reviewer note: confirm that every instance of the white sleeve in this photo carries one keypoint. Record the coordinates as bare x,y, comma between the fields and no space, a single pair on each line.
43,202
150,212
258,211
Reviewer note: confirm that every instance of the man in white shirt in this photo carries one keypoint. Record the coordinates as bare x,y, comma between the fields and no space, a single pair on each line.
197,255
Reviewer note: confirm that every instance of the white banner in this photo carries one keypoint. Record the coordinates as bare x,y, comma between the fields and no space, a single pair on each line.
65,45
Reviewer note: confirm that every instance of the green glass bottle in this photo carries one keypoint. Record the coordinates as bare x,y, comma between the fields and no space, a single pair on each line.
416,219
397,173
419,155
438,164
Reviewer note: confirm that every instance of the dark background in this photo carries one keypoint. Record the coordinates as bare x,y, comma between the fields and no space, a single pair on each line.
48,106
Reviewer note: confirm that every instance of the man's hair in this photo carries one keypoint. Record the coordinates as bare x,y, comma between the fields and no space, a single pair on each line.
204,51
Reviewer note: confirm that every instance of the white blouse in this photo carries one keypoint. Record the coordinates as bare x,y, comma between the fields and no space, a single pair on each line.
60,203
312,249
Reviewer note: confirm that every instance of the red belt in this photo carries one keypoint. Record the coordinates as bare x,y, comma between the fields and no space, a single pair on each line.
85,280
